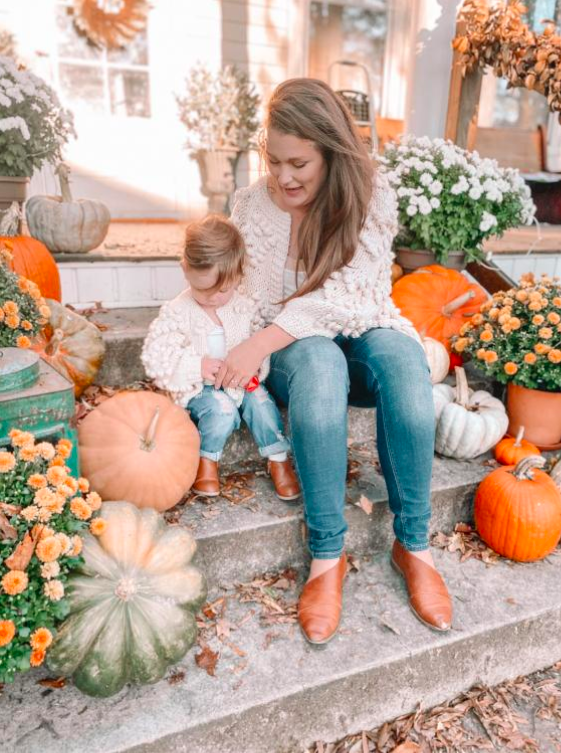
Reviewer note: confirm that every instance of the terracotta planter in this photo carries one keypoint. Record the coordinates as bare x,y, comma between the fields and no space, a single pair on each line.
410,260
217,169
12,189
538,412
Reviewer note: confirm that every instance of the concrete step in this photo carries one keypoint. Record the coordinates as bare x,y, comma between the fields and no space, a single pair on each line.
273,692
240,538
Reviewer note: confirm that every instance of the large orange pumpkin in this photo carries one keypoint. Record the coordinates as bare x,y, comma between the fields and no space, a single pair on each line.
139,447
72,345
437,300
518,510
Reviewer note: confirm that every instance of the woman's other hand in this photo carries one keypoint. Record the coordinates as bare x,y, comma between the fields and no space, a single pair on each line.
210,368
240,364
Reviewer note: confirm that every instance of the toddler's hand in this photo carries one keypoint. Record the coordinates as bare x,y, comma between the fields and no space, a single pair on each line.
210,368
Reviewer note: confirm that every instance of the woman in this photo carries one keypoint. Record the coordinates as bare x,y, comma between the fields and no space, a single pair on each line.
318,230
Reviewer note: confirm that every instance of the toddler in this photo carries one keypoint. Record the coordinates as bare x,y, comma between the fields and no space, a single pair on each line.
186,342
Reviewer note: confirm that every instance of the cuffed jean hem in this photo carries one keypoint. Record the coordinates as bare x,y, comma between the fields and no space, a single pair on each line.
211,455
283,445
327,555
414,547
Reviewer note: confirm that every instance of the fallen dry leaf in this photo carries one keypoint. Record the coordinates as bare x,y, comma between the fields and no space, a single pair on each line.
52,682
21,556
407,747
7,531
365,504
176,677
207,660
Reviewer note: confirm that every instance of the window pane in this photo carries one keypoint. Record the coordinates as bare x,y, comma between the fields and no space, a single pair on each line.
72,44
82,84
135,52
346,31
130,93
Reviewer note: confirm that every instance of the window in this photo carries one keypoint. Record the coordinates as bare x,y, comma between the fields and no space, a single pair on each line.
114,82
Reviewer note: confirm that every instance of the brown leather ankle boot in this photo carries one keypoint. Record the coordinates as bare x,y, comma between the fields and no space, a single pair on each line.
207,483
284,479
428,596
321,604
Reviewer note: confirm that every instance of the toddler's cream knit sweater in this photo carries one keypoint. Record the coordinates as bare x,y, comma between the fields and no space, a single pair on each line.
177,342
352,300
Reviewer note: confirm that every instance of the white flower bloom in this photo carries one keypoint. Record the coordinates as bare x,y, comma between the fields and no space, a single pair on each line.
488,221
411,210
435,188
475,192
426,179
435,203
17,122
424,205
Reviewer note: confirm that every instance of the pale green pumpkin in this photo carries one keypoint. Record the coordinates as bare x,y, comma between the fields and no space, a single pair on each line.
132,604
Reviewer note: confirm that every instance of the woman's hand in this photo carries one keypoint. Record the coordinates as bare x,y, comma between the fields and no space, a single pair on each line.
240,364
210,368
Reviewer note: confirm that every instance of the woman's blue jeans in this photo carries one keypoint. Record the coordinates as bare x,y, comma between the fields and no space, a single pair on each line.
317,378
217,416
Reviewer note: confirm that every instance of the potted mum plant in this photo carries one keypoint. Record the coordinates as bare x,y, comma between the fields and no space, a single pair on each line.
450,200
516,338
220,113
33,128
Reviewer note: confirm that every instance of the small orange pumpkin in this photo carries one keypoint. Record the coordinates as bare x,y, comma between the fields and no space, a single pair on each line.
518,510
139,447
437,300
397,272
510,450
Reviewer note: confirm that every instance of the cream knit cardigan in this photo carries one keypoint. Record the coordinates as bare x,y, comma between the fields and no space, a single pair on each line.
351,301
177,341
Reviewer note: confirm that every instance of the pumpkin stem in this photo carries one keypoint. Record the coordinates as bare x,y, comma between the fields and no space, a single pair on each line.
147,443
555,474
52,346
519,436
449,308
525,468
9,225
462,388
63,172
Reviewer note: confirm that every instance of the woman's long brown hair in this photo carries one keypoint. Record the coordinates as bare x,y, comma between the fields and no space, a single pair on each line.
329,233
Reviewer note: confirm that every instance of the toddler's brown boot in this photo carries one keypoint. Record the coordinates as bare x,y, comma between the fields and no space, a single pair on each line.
284,479
207,483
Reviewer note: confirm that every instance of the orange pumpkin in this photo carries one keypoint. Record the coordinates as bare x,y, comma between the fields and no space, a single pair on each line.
510,450
437,300
139,447
72,345
33,260
518,510
397,272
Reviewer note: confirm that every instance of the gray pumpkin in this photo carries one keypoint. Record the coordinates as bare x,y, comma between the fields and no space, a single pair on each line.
132,604
64,224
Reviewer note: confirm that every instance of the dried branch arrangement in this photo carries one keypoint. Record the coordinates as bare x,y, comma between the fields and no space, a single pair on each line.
496,35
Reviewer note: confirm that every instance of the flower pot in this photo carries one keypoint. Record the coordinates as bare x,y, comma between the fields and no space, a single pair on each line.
217,169
538,412
410,260
12,189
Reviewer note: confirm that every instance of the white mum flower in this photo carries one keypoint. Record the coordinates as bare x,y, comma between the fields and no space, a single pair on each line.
426,179
488,221
435,203
411,210
435,188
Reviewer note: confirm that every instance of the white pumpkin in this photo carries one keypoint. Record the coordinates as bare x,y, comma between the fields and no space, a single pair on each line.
64,224
438,359
468,423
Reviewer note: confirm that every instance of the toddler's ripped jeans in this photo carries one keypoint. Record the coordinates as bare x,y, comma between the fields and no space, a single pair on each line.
216,416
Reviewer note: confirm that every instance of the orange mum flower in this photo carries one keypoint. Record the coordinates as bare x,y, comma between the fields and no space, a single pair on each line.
45,311
41,639
57,462
541,349
510,368
30,513
45,450
481,354
77,545
21,438
94,500
56,475
23,342
7,632
64,448
49,549
53,590
521,295
486,336
37,657
11,307
71,483
57,505
530,358
515,323
28,453
535,306
494,313
15,582
65,542
37,481
545,333
26,325
557,301
476,319
44,497
12,321
553,317
7,462
83,485
554,356
80,508
534,295
491,356
2,315
50,570
538,319
98,526
23,284
461,344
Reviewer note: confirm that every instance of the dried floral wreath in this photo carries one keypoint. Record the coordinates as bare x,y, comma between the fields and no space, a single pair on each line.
110,23
496,35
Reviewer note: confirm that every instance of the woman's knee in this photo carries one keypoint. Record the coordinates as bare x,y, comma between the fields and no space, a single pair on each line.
316,363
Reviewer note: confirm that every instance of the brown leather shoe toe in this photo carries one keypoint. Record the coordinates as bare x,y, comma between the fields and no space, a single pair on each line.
284,479
321,604
428,596
207,483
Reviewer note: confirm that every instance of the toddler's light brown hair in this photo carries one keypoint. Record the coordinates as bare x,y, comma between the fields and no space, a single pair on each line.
215,242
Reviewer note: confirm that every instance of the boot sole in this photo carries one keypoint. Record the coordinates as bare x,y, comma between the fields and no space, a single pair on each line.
205,494
417,615
289,499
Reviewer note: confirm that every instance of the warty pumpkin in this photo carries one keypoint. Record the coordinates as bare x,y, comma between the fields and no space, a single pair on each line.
72,345
30,257
437,300
132,603
510,450
518,510
66,224
141,447
468,423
